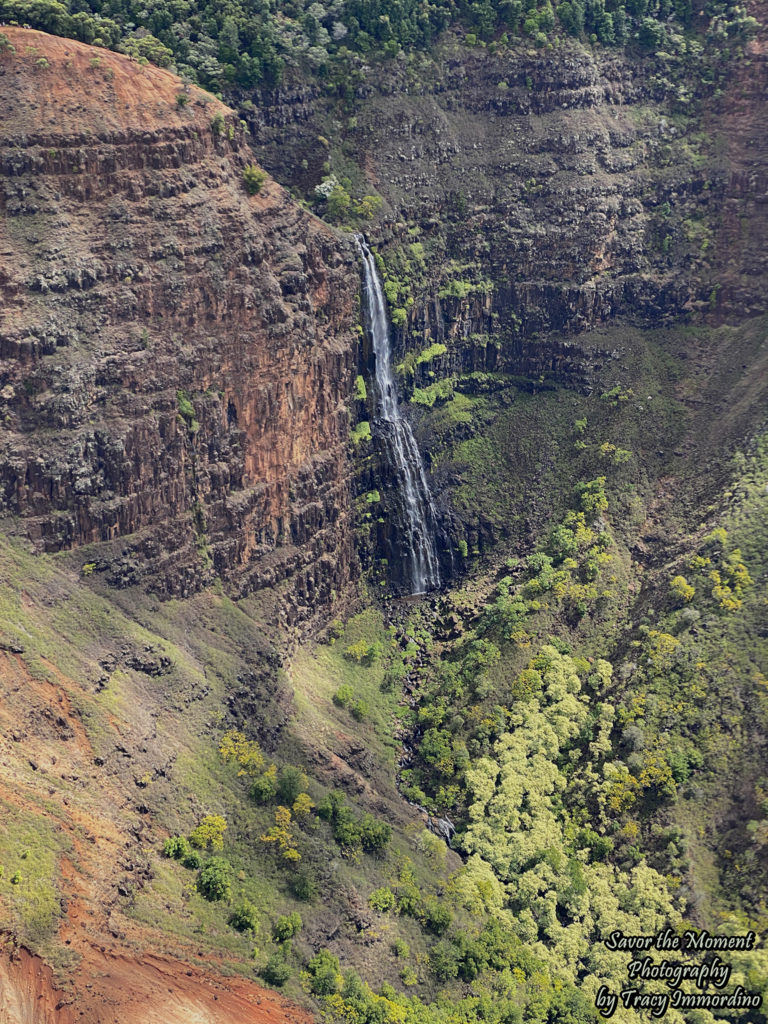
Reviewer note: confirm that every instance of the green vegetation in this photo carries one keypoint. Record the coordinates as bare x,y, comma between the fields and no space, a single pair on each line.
187,411
350,832
29,851
245,918
574,738
439,392
215,880
362,432
334,201
323,974
575,710
209,834
287,926
253,178
242,47
415,359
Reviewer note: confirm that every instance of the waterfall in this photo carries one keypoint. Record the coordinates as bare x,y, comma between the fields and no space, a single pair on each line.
418,513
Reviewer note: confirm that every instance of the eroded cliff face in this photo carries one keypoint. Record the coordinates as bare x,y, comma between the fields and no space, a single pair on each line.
176,354
570,188
541,207
544,169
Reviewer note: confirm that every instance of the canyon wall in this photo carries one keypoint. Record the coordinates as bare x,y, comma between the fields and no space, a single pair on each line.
563,189
175,353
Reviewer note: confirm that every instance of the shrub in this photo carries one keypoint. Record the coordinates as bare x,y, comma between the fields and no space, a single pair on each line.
217,124
215,880
681,589
304,887
291,782
209,833
280,834
383,900
247,753
264,787
187,411
359,652
192,860
275,971
245,918
359,710
444,961
286,926
362,432
323,973
343,696
363,652
348,832
177,848
302,805
338,203
368,206
435,917
253,178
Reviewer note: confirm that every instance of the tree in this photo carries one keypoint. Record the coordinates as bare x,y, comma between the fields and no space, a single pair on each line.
149,47
176,847
280,835
209,833
253,178
681,589
245,753
286,926
215,880
264,787
245,918
302,805
276,971
292,782
323,973
338,203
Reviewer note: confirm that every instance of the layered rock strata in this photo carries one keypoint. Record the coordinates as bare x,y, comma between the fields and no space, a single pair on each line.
175,353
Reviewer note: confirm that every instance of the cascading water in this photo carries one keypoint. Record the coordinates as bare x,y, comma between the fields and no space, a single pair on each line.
418,513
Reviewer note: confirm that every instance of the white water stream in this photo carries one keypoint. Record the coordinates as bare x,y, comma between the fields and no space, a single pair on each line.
419,519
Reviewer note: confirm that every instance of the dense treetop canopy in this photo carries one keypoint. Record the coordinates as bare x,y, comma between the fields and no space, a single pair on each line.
250,43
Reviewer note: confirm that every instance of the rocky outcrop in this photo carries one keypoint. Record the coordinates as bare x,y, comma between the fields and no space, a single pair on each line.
175,354
572,187
534,199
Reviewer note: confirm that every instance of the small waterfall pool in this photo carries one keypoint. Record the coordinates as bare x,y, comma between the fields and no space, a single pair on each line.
418,528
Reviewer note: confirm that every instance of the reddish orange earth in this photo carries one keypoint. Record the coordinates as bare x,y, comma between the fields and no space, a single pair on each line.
114,982
111,988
